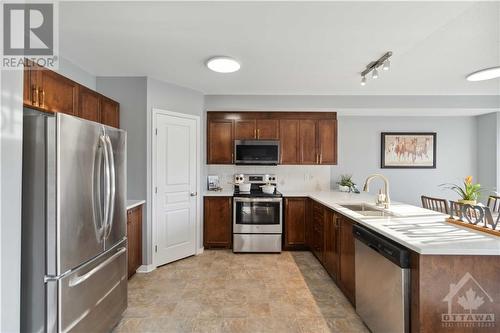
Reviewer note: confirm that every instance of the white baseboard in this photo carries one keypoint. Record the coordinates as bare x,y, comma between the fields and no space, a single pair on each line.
146,269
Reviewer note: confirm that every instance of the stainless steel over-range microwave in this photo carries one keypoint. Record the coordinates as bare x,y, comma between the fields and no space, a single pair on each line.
257,152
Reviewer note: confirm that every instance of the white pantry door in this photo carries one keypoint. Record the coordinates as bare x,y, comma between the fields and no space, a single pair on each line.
175,229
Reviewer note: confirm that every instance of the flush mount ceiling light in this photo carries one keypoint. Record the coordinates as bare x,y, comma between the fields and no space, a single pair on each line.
223,64
484,74
373,66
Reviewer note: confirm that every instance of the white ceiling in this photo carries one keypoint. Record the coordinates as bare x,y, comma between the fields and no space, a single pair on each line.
289,47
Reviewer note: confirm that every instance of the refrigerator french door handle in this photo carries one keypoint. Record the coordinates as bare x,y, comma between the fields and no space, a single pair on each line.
111,208
96,195
107,184
79,279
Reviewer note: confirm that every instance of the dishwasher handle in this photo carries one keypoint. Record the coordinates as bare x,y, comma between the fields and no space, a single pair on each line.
393,251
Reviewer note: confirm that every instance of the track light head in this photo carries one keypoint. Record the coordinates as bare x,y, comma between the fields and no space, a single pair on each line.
363,80
375,73
386,65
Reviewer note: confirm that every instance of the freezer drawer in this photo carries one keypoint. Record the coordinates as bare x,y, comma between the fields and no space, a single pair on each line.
93,297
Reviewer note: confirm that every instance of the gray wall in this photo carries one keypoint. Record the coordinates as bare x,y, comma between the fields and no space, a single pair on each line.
359,153
169,97
10,200
137,97
487,148
130,92
76,73
359,136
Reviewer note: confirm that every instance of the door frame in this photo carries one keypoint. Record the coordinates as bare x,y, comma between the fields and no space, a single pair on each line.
198,230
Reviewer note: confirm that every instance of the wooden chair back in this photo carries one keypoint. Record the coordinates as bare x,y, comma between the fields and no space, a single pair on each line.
435,204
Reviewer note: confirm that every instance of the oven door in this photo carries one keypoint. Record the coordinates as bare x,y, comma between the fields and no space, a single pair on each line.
257,152
257,215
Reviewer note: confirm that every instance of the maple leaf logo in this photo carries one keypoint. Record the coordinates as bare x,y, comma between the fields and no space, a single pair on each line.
470,301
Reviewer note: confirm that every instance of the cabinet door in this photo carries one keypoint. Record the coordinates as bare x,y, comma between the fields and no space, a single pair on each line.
346,252
267,129
245,130
289,141
217,222
110,112
88,104
295,223
134,237
307,142
220,142
327,141
27,87
318,230
55,92
331,244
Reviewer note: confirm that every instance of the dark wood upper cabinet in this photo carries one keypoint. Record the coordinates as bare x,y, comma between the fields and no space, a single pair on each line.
55,92
331,244
347,280
289,139
110,112
220,141
48,91
245,129
267,129
305,137
217,222
307,142
89,104
327,141
295,223
27,88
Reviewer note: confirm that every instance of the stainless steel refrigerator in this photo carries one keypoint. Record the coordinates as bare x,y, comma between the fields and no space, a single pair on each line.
74,259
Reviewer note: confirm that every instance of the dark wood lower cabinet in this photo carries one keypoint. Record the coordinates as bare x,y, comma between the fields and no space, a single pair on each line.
134,236
217,225
331,244
329,237
346,278
295,224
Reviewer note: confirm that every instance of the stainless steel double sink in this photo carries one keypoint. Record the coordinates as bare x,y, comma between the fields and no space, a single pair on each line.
367,210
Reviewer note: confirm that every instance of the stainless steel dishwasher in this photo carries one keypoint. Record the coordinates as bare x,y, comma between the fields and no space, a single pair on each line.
382,282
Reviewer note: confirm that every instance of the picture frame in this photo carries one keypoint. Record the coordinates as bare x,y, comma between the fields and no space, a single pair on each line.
408,150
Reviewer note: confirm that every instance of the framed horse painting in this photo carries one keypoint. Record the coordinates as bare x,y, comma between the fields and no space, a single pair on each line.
408,150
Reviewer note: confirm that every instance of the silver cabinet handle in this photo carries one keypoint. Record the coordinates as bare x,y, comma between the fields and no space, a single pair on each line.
79,279
111,209
193,194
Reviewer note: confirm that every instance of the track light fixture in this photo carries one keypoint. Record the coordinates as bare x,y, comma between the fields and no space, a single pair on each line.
373,66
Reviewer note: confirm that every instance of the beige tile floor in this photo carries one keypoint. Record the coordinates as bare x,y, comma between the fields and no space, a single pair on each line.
219,291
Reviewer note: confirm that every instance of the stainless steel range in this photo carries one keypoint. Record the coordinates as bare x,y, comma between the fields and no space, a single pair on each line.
257,216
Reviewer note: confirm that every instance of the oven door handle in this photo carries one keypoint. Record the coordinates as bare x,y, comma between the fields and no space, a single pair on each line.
236,199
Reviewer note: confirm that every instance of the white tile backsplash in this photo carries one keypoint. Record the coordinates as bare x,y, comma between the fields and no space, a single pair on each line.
290,177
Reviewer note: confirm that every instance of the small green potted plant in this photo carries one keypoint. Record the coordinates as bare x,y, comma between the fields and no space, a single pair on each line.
346,184
469,193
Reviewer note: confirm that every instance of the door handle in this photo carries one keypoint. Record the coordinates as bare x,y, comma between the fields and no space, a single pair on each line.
107,185
79,279
112,182
193,194
96,193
